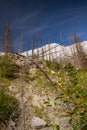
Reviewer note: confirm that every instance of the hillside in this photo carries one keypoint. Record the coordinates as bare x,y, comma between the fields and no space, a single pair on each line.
43,90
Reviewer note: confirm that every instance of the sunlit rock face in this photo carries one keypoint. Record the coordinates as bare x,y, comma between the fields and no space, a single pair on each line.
54,51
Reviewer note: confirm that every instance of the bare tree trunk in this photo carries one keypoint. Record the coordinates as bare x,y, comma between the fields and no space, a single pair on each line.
32,46
7,40
20,43
43,52
49,51
37,50
80,52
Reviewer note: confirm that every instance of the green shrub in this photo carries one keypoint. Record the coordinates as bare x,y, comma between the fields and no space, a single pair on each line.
71,74
53,65
7,104
7,69
74,94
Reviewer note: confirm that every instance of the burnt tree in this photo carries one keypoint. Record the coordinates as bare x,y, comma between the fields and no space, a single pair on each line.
7,44
81,54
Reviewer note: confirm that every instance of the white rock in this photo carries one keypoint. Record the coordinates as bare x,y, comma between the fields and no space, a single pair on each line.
12,88
38,123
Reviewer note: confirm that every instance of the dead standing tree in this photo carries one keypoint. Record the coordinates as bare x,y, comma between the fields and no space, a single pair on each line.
20,43
49,51
42,52
32,46
81,54
7,45
37,44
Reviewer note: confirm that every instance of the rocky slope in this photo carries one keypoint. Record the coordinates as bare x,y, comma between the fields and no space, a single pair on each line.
37,87
32,91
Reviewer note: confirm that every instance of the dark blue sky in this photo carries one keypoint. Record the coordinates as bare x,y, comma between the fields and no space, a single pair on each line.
45,20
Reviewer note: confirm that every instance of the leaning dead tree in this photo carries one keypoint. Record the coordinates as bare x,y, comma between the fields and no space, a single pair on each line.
7,44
